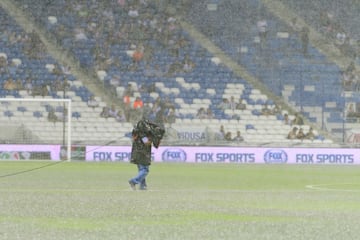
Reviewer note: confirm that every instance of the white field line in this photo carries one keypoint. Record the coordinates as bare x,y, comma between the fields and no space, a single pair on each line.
102,190
330,187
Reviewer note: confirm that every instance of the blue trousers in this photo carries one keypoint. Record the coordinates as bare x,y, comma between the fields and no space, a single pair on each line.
143,171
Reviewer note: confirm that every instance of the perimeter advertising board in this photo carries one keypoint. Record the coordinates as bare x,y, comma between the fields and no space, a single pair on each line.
29,152
241,155
231,155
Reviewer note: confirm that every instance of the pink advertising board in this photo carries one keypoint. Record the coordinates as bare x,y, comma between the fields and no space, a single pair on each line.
231,155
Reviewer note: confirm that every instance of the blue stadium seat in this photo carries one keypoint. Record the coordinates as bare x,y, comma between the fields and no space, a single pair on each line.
8,113
38,114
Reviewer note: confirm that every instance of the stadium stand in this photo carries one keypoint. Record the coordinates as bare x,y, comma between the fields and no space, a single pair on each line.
123,47
306,79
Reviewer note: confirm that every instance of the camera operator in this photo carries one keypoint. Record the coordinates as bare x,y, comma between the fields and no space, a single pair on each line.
144,135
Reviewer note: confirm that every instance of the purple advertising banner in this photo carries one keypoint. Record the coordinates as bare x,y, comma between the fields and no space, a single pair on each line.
231,155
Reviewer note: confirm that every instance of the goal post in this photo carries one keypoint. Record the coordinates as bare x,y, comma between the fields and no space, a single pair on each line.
35,128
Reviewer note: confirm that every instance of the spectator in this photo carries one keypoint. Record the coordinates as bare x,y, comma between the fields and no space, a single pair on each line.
57,70
209,114
9,84
171,116
348,80
133,13
300,134
144,88
62,115
201,114
326,22
304,36
113,111
266,110
276,110
224,104
126,104
167,103
262,27
188,65
40,90
238,137
105,112
232,103
351,68
160,117
56,85
80,34
136,114
340,38
28,86
92,102
298,120
293,133
147,110
286,119
115,81
157,105
3,63
240,105
151,88
19,84
120,117
221,134
138,55
12,68
310,134
44,90
122,3
65,86
295,26
175,67
351,111
52,116
228,136
138,103
157,72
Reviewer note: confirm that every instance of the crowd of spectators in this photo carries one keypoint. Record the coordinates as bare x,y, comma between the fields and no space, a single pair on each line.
297,128
335,20
101,26
137,24
227,136
142,28
161,111
298,133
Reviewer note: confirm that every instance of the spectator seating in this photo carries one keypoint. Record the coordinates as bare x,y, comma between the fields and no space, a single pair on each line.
315,10
204,86
305,81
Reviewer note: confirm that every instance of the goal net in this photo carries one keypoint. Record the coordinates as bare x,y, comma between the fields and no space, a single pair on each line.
35,128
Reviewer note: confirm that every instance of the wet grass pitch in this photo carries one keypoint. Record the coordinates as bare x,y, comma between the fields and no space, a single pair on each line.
80,200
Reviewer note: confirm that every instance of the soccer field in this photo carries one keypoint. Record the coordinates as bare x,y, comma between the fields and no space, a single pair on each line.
185,201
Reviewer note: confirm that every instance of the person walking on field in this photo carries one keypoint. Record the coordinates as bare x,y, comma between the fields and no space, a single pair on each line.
144,135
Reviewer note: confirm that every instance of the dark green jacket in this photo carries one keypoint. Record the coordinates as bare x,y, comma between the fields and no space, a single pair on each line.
140,153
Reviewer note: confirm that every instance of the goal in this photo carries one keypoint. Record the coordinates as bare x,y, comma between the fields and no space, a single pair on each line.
35,128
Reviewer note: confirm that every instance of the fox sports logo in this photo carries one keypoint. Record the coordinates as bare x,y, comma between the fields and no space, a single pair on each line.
275,156
174,155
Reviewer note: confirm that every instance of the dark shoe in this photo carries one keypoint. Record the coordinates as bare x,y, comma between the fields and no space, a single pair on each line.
132,185
143,188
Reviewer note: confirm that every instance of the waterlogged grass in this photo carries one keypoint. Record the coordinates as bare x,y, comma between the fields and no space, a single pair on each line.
185,201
